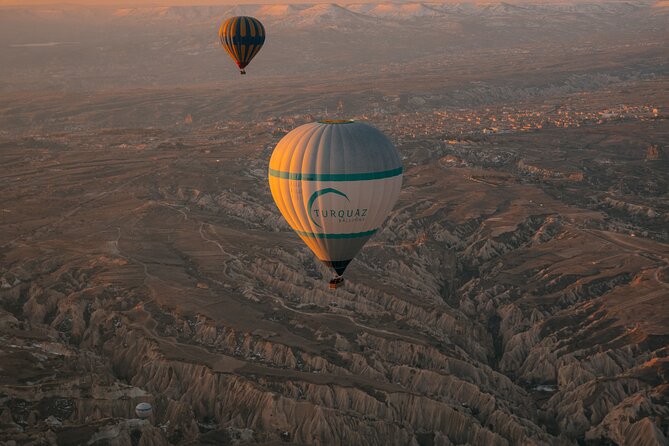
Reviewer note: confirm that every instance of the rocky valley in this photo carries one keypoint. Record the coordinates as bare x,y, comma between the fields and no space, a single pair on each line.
517,294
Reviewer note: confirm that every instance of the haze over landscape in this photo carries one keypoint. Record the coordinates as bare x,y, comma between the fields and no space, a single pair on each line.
516,295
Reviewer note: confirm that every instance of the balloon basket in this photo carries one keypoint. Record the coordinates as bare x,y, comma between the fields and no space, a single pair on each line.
336,283
242,71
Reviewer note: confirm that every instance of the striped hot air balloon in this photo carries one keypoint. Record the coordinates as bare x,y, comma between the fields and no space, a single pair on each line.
335,182
242,37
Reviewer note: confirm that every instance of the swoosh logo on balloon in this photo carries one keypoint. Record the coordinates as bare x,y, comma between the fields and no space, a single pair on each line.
318,193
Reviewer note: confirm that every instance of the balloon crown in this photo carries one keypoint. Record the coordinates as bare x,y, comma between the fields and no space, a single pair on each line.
336,121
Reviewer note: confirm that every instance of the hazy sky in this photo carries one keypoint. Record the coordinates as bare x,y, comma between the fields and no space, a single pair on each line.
142,2
236,2
155,2
131,3
136,2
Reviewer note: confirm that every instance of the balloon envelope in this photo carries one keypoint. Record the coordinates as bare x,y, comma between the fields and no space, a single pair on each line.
143,410
335,181
242,37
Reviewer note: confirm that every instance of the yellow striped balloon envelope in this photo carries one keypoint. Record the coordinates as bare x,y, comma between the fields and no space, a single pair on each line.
242,37
335,182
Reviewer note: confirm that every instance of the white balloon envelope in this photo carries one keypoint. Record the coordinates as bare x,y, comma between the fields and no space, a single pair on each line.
335,182
143,410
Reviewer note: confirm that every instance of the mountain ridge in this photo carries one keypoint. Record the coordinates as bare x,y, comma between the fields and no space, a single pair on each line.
376,10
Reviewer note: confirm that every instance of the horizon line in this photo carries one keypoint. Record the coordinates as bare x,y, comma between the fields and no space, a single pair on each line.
172,3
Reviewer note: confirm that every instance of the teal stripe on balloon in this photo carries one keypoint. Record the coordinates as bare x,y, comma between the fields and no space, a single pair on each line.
335,176
350,235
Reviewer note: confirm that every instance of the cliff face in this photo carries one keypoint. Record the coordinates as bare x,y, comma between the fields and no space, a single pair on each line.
481,314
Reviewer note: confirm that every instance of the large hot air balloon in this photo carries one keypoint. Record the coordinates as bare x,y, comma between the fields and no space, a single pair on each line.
335,181
242,37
